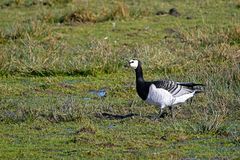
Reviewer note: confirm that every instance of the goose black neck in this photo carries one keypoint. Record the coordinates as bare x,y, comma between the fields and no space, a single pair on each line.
141,85
139,74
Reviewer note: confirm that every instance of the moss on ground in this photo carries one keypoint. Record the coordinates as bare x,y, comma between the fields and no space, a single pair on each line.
56,55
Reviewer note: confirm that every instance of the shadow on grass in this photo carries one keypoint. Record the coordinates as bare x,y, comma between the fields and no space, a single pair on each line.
130,115
115,116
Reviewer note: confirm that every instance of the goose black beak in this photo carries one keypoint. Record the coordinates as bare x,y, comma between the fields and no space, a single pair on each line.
127,65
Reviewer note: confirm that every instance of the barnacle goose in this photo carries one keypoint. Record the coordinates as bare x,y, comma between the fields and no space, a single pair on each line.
163,93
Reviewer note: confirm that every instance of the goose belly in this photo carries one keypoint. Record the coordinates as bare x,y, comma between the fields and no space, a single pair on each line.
159,97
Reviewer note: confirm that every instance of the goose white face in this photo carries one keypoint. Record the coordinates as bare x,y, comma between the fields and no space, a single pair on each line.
133,63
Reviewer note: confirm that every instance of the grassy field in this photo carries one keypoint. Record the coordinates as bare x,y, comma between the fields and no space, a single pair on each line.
56,57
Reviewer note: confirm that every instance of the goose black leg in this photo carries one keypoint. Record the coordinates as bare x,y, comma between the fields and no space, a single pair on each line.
171,110
160,114
191,101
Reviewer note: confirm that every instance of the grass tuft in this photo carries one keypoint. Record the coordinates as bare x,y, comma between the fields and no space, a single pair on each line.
57,57
78,17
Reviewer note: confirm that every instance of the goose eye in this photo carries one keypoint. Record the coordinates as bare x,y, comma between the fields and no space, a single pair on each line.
131,62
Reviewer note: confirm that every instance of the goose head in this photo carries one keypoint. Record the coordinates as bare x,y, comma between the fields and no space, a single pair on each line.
134,63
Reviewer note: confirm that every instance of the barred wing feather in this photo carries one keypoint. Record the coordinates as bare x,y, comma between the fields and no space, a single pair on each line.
178,89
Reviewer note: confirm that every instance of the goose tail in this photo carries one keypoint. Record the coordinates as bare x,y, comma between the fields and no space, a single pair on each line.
196,87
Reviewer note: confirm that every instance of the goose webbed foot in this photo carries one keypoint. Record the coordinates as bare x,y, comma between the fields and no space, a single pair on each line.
161,114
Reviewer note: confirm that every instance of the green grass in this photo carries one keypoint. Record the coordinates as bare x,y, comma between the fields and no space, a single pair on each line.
53,53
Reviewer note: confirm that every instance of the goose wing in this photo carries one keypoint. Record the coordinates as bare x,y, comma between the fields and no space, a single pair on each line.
178,88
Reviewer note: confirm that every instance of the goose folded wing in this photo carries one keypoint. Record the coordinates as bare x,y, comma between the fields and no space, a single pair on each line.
175,88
